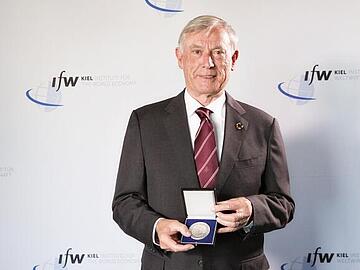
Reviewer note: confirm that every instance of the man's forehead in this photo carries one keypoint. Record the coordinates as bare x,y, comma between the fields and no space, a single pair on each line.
215,37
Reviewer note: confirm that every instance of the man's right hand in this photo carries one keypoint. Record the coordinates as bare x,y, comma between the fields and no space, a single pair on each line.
167,231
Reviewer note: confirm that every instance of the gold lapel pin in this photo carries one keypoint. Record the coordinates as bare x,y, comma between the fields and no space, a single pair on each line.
239,126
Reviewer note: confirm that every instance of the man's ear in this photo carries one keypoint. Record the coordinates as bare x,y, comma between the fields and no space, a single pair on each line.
179,56
234,58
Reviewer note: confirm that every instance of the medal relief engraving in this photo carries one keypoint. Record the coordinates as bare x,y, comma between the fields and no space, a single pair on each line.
199,230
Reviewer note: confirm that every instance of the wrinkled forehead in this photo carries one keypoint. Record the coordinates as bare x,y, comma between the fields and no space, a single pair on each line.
211,37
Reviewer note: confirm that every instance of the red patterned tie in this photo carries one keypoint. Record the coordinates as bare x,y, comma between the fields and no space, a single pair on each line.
207,164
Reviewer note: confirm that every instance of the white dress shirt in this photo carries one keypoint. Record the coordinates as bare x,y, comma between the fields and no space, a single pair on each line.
217,118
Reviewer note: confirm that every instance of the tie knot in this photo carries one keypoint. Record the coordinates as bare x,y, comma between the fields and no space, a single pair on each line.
203,113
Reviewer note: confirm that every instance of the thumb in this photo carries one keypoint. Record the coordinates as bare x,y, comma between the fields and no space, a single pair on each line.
184,230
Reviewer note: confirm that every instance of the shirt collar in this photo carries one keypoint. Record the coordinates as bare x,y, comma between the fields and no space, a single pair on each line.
215,106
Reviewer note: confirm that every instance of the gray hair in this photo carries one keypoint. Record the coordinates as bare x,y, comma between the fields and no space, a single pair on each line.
207,22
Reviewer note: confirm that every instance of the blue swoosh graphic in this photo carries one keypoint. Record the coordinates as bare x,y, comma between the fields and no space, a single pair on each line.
162,9
36,266
39,102
293,96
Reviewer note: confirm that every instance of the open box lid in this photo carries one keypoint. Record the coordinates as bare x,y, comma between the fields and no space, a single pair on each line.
200,203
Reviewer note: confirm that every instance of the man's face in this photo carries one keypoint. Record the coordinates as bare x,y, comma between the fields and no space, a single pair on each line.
206,59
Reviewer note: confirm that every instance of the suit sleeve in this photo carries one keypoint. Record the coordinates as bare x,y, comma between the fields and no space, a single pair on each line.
273,208
130,208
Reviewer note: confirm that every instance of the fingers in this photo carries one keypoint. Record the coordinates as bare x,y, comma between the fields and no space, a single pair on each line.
224,206
236,217
240,212
232,222
232,204
239,205
227,229
171,245
167,231
171,227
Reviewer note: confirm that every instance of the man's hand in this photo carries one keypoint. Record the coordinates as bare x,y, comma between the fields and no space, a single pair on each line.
167,231
238,211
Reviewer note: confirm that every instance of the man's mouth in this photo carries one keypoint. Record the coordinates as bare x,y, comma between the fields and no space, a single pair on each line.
207,76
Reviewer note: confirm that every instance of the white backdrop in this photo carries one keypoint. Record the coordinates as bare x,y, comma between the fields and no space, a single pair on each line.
58,164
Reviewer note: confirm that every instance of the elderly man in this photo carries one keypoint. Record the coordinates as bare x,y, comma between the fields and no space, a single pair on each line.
203,138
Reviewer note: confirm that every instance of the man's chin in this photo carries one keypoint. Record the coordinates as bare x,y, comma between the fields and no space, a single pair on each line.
211,91
206,90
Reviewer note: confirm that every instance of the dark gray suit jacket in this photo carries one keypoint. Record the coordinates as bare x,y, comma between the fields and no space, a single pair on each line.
157,162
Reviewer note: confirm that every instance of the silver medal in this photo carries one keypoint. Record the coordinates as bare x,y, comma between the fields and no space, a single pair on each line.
199,230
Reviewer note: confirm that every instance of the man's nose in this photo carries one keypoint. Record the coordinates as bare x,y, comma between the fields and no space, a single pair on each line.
207,61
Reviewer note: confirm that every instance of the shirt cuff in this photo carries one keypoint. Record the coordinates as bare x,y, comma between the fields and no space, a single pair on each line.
154,234
247,228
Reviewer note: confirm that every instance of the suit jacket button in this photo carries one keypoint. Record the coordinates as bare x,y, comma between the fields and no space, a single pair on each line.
200,262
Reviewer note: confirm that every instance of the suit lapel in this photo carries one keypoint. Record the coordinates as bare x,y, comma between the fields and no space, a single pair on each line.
177,128
234,134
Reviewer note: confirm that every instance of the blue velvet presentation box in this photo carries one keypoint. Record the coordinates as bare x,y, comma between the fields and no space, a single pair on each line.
201,218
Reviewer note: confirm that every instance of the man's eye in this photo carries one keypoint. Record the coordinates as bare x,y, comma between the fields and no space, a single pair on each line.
218,52
197,52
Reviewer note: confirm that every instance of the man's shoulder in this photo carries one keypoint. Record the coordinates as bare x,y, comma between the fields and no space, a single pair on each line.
251,112
156,108
255,110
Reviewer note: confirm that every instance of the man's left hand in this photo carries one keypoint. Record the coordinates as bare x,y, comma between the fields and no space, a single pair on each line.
237,214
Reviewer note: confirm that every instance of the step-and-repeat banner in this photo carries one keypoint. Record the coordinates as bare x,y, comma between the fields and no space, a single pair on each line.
72,71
